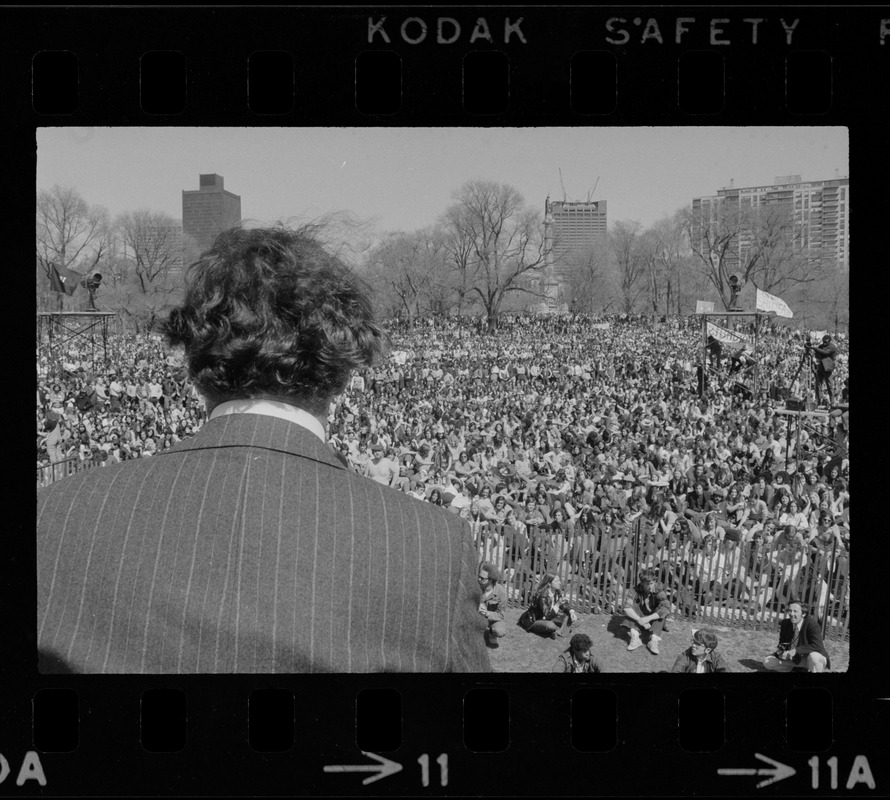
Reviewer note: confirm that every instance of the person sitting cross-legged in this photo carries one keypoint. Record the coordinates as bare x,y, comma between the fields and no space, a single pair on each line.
646,608
800,643
550,613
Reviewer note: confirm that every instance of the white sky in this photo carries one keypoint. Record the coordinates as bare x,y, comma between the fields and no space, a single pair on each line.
403,178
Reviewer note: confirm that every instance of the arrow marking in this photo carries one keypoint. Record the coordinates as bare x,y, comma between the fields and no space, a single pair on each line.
384,767
778,771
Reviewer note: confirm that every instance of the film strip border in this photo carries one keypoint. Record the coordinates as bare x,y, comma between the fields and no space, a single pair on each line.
446,66
499,734
309,737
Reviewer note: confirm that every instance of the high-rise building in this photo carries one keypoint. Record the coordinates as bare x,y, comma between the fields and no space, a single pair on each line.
207,212
576,225
569,228
820,211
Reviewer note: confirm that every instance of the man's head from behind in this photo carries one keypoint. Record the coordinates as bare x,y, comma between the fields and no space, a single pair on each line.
268,312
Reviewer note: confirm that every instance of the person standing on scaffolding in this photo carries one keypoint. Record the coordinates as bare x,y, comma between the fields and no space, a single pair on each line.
742,360
715,348
826,355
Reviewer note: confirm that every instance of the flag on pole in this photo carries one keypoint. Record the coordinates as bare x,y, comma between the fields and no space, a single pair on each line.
704,306
724,335
769,302
63,280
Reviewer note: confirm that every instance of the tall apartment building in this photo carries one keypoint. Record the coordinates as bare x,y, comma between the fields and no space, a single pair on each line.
207,212
821,212
569,227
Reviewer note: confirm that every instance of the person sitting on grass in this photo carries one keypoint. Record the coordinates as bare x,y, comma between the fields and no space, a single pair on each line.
800,643
646,608
702,657
550,612
493,605
578,656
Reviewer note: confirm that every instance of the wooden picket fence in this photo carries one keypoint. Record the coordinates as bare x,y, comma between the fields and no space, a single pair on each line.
50,473
733,585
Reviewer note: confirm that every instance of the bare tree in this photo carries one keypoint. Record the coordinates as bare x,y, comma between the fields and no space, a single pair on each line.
654,259
825,303
69,233
150,263
669,252
588,284
761,244
456,232
713,242
443,290
507,243
629,260
399,266
836,293
779,257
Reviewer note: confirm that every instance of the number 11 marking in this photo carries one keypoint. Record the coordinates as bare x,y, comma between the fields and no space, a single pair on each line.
442,761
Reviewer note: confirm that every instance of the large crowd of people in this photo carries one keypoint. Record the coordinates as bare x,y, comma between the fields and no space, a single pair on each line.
555,437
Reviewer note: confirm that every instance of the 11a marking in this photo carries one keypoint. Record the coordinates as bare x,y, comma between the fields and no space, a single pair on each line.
860,772
442,761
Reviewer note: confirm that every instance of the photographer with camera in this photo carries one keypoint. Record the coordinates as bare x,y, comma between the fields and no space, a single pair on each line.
826,355
800,643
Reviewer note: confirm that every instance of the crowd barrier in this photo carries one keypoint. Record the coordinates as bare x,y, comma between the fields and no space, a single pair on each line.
732,585
50,473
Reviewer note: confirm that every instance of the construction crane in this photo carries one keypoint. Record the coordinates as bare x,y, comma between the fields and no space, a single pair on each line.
563,186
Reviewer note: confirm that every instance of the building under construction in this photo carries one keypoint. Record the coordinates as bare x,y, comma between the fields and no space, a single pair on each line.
570,228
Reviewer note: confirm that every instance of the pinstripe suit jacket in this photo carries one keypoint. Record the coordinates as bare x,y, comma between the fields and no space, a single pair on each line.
251,548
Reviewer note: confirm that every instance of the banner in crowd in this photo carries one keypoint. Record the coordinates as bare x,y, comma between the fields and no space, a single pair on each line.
63,280
600,326
724,335
769,302
704,306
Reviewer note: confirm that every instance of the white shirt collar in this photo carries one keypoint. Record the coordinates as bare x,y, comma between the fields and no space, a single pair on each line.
271,408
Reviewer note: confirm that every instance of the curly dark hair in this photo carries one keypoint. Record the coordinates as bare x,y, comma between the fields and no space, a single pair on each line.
706,637
580,643
648,575
269,312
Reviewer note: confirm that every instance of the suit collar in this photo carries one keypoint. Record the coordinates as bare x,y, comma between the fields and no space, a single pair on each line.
271,408
261,431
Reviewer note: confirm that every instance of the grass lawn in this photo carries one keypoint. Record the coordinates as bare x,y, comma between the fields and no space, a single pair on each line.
743,650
